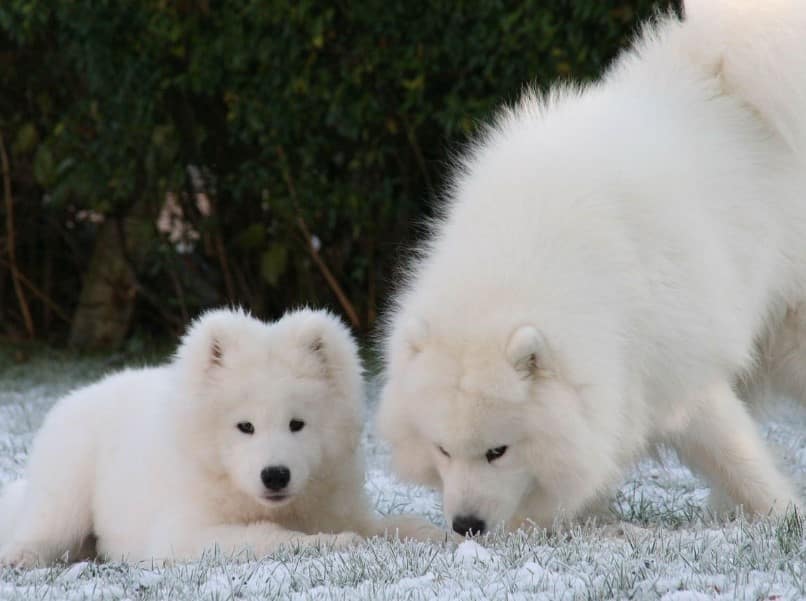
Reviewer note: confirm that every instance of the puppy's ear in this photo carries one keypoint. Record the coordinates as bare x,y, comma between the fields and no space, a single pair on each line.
216,355
211,339
527,352
323,344
315,344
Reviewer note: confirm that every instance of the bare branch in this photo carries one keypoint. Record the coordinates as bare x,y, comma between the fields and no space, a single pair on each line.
331,280
10,242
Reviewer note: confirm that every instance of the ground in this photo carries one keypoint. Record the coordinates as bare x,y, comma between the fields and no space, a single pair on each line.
668,549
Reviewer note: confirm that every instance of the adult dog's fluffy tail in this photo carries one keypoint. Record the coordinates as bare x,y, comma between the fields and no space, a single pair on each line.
760,49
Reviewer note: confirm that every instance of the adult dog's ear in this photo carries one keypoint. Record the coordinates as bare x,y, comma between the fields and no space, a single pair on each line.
411,453
407,340
415,332
527,352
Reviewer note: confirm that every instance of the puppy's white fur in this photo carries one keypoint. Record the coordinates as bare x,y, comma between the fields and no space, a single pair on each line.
151,463
615,260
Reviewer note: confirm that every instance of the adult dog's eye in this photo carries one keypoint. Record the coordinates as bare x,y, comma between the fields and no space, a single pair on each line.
295,425
246,427
443,451
493,454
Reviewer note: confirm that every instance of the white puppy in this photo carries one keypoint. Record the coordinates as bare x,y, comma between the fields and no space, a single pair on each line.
612,261
249,439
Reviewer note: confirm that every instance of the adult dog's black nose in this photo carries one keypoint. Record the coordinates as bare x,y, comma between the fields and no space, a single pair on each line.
275,477
468,524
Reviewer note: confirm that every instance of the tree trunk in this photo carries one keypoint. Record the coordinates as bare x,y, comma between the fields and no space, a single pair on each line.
106,304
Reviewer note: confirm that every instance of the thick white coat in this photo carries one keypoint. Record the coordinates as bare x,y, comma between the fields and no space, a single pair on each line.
151,463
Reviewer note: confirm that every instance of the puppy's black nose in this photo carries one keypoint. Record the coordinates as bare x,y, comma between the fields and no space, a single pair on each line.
275,477
468,524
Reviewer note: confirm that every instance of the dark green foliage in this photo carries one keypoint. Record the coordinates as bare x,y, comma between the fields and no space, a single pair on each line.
341,115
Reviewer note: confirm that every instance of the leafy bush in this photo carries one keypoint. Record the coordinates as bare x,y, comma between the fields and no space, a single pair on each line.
267,124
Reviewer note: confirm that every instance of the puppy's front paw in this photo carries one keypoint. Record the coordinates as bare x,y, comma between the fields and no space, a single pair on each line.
335,542
18,557
346,540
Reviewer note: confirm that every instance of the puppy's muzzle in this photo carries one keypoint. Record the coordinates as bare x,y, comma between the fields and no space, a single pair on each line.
275,477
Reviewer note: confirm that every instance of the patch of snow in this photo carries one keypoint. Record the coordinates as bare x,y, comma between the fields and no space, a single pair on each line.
664,551
470,552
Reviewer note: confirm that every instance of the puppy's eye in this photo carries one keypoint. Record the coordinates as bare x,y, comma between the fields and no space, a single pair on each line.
295,425
443,451
493,454
246,427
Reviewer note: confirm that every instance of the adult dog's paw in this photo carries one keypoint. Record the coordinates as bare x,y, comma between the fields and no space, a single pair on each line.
416,528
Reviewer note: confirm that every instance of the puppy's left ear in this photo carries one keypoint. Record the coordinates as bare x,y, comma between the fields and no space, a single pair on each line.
324,345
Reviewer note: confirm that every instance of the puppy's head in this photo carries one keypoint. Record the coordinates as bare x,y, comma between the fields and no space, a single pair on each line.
272,406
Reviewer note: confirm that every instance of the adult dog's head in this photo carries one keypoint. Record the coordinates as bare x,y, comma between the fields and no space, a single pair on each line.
494,424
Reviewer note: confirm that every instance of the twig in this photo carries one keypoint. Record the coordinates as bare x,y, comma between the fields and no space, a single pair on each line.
418,155
346,305
372,312
153,298
180,294
198,185
47,281
10,245
49,302
245,290
221,251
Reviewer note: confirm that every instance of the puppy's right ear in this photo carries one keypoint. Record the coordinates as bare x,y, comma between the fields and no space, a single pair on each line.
209,341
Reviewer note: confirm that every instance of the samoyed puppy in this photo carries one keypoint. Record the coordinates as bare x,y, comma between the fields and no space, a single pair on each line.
614,262
247,440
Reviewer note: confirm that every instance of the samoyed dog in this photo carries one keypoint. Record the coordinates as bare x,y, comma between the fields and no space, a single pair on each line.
249,439
616,261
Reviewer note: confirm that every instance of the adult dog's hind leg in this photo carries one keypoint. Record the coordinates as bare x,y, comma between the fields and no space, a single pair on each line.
782,364
722,442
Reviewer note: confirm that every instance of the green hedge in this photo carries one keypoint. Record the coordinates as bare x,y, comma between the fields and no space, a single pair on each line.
339,115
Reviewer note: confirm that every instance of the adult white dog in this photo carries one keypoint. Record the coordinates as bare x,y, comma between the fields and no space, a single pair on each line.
614,262
249,439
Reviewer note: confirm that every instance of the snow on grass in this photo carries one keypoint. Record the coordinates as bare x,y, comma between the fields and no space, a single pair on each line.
667,548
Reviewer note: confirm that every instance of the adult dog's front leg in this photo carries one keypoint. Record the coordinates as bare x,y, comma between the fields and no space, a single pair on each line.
723,443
